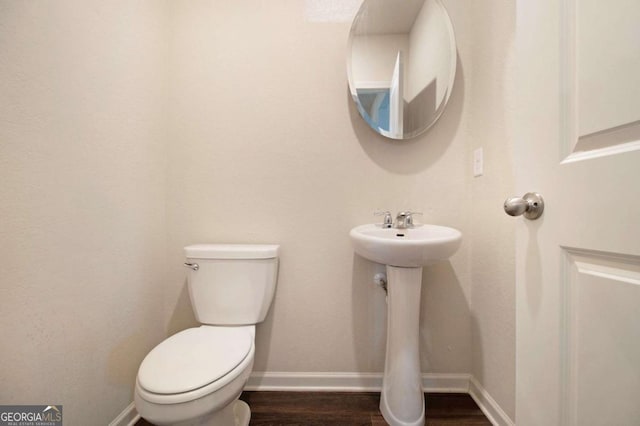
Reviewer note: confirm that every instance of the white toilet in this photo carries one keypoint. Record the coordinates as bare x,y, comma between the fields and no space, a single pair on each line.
196,376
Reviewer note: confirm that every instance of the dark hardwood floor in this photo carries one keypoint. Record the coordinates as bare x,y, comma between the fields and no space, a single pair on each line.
351,409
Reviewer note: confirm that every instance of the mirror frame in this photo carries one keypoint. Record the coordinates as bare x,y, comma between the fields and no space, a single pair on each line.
452,75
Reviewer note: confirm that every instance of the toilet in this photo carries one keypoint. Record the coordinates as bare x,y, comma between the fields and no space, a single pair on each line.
196,376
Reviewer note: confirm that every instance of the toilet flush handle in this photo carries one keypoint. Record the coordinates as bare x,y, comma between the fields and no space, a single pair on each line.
193,266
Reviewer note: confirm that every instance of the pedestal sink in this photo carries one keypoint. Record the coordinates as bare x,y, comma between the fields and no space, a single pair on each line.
404,252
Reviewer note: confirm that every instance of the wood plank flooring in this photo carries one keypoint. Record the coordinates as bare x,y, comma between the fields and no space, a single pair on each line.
351,409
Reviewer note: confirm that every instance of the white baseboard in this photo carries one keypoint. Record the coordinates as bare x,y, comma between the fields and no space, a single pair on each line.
488,405
128,417
356,382
347,382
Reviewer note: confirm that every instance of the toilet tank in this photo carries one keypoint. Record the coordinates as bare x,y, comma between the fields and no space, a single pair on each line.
234,284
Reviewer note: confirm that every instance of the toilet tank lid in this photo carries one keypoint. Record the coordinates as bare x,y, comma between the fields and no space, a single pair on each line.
232,251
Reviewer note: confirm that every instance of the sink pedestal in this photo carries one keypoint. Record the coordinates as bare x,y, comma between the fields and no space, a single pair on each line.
402,401
409,249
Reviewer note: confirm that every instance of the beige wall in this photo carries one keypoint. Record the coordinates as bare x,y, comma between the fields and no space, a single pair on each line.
82,228
264,146
487,40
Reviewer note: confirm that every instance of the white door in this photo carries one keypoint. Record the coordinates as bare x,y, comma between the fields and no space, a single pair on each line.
396,99
577,143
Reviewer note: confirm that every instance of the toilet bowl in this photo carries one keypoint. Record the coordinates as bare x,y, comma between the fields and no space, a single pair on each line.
190,377
196,376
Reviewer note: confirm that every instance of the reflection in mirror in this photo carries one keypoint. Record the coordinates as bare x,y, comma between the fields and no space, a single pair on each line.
401,64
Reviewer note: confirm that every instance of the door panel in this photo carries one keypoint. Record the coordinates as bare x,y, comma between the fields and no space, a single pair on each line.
602,328
600,65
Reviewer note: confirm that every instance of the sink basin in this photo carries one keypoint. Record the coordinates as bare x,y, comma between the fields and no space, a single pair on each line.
407,248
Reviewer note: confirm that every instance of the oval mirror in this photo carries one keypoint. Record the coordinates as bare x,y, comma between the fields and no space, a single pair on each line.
401,64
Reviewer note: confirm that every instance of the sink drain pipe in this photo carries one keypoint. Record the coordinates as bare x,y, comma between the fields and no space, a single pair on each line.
380,279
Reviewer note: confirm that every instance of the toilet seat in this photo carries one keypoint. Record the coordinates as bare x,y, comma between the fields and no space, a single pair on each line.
195,362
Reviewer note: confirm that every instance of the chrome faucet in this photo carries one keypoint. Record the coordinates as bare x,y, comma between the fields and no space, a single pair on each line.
404,219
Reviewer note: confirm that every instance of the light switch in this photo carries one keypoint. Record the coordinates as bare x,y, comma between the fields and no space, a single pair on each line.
478,163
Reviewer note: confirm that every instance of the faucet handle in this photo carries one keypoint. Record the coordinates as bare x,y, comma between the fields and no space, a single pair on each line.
408,213
387,222
410,217
405,219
